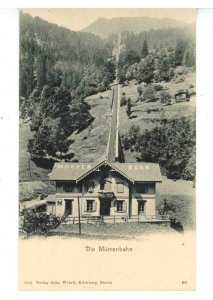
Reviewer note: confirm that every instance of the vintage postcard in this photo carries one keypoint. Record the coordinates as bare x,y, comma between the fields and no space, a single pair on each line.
107,146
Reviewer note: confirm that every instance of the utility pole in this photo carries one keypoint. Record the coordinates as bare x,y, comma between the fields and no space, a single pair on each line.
79,217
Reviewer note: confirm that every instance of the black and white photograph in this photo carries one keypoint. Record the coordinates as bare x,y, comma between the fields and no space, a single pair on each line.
107,148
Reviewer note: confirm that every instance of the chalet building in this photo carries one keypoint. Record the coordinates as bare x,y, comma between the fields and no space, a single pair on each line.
107,188
104,189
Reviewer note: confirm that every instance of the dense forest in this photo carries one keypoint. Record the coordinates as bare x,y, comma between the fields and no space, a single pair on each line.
152,56
58,69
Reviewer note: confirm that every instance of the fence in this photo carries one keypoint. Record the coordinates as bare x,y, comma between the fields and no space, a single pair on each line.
117,219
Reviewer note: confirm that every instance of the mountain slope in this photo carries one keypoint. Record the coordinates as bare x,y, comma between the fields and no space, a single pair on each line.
104,27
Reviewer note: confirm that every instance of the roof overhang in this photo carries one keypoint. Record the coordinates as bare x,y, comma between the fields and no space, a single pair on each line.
105,163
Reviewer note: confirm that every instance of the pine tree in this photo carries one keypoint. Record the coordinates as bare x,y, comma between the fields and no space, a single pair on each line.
179,52
144,51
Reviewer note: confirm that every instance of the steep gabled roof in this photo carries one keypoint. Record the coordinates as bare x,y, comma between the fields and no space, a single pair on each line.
131,171
141,171
71,171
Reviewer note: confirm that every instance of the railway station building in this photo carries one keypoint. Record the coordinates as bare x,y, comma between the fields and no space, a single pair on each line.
105,189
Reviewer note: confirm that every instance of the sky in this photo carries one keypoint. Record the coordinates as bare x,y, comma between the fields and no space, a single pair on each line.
79,18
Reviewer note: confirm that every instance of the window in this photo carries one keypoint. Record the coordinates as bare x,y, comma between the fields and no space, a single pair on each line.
90,185
59,187
121,206
141,188
120,187
141,206
68,187
90,206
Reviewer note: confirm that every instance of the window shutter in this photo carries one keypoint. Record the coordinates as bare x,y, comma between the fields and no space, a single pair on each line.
94,206
85,206
59,188
124,207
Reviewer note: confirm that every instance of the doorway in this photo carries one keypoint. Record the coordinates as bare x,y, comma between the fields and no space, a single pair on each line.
105,205
68,207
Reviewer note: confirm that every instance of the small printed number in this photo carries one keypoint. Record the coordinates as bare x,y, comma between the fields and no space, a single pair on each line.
184,282
28,282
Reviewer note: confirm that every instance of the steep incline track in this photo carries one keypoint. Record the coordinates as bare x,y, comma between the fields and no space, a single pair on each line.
112,143
114,149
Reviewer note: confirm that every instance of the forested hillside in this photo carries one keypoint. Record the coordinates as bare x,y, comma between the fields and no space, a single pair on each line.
58,69
153,55
104,27
157,72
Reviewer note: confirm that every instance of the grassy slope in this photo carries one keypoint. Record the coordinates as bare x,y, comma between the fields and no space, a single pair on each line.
179,192
28,170
90,144
182,194
145,120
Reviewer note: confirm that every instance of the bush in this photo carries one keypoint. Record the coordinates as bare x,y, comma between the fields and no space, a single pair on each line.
129,107
123,101
158,87
171,210
165,97
39,223
140,90
131,137
148,94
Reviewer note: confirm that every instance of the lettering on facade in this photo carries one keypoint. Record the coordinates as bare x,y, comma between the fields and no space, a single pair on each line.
77,167
141,167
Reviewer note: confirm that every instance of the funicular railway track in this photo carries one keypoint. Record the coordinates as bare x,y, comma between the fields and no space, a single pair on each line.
114,149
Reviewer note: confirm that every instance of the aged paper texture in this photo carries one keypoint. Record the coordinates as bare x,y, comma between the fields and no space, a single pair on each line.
107,149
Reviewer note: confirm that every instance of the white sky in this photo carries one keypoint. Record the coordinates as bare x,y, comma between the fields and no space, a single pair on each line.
79,18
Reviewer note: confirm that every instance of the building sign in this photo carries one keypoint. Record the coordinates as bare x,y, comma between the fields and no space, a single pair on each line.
138,167
74,166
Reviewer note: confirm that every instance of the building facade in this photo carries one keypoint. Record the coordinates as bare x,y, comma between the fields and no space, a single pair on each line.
104,189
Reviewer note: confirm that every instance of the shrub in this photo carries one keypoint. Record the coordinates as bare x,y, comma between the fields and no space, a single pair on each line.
39,222
166,208
128,107
158,87
140,90
131,137
165,97
148,94
123,101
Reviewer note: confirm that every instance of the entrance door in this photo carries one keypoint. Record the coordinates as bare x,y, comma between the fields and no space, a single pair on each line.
68,207
105,205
